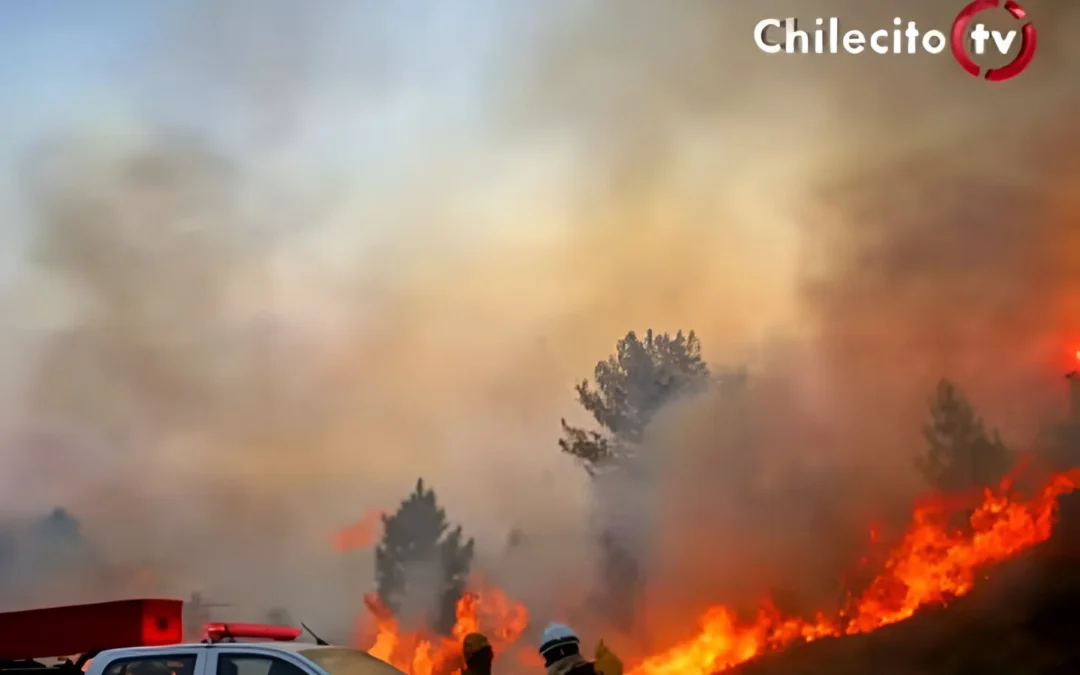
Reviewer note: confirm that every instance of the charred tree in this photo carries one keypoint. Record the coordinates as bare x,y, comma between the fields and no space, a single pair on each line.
421,558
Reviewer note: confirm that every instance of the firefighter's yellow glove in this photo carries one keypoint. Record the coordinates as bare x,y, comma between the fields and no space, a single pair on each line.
606,661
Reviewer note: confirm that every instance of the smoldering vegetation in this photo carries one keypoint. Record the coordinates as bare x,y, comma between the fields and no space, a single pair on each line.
234,349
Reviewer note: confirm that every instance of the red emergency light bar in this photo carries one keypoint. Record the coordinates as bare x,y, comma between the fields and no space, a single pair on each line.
81,629
215,632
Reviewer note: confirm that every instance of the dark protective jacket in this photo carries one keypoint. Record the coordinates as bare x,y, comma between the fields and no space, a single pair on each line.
606,663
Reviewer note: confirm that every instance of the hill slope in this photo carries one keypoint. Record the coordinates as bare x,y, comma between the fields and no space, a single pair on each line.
1024,619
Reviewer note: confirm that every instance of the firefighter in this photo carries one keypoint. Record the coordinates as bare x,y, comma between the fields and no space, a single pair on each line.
561,651
478,655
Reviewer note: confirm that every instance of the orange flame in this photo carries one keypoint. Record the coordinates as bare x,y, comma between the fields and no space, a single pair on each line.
422,653
933,564
361,534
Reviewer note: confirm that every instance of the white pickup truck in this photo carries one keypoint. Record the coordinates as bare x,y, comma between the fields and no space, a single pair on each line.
144,637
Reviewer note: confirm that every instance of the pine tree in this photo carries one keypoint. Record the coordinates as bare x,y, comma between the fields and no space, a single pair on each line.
631,387
418,538
960,454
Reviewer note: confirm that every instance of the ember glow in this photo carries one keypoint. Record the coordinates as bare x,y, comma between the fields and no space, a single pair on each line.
934,563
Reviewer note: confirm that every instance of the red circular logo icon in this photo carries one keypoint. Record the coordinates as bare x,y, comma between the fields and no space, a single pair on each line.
1019,63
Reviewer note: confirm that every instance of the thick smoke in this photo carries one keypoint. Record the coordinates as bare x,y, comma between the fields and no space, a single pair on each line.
934,241
236,345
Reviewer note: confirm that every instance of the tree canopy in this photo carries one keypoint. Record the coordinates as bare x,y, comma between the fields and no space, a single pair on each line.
960,453
631,386
418,538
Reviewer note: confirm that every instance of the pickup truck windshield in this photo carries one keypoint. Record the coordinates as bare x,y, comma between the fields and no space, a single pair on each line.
343,661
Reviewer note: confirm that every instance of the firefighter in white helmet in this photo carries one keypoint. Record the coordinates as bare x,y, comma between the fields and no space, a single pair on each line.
560,648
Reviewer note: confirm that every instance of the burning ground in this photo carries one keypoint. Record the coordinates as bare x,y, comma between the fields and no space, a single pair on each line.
933,564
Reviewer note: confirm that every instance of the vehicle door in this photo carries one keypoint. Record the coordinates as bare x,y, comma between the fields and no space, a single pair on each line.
179,661
224,660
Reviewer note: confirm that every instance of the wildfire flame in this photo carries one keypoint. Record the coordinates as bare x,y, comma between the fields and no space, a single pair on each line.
934,563
422,653
361,534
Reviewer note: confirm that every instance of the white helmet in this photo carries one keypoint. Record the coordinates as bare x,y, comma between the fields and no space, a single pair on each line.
556,635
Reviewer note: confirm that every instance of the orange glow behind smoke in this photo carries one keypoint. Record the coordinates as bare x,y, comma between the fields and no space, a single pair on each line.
933,564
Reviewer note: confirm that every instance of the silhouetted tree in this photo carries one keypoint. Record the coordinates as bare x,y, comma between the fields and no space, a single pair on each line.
415,539
631,387
58,526
55,543
1060,443
960,454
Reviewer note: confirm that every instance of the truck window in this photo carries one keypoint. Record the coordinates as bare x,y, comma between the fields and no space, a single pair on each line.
157,665
344,661
246,664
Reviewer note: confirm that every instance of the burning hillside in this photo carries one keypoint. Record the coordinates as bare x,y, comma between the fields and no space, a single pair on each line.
934,563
